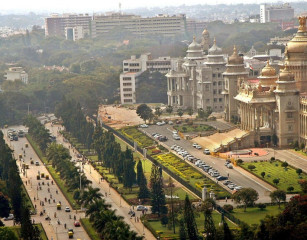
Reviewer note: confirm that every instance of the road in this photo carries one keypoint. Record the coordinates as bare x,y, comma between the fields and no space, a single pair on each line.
113,198
53,230
236,175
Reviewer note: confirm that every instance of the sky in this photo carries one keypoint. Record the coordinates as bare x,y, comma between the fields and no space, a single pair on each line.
61,6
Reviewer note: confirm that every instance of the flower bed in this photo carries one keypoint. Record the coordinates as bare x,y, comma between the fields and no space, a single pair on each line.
135,135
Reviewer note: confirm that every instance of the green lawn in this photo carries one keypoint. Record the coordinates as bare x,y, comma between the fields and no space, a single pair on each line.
253,215
89,229
16,230
134,134
193,128
190,174
169,234
273,170
27,198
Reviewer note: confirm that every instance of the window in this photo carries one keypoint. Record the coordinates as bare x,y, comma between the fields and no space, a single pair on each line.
127,95
127,84
207,100
215,100
219,75
213,75
214,83
127,100
214,91
207,87
290,128
125,64
126,78
289,115
220,91
126,69
220,99
220,83
127,89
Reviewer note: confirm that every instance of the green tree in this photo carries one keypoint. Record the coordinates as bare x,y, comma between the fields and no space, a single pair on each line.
299,171
226,231
247,196
28,231
190,220
276,181
182,230
262,174
169,109
290,189
144,112
278,196
179,112
7,234
4,205
285,164
142,182
129,176
158,111
190,111
75,68
251,167
139,172
90,195
158,203
209,227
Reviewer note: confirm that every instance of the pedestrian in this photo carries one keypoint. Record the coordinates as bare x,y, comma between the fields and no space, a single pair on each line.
74,217
226,199
33,221
26,183
228,174
49,201
133,207
65,225
135,219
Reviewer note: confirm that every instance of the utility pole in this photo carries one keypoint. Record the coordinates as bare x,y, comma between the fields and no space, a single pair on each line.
28,108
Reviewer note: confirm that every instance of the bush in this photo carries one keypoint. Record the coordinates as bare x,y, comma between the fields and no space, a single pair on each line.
290,189
272,158
261,206
228,207
251,167
239,161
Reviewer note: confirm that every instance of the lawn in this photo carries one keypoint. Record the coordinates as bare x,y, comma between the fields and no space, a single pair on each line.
134,134
253,215
168,233
193,128
273,170
16,230
190,174
27,198
89,229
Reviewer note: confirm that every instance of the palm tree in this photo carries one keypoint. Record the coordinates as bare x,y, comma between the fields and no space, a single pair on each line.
89,196
96,207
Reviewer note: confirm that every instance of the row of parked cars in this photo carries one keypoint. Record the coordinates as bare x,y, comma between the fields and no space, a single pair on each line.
185,154
210,170
232,186
159,137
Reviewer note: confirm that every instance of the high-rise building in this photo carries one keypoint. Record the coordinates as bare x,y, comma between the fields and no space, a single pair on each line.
276,13
55,24
74,33
16,73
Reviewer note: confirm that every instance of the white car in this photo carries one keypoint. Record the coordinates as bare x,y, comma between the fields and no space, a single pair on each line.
173,147
10,217
175,132
198,147
67,209
36,163
176,137
141,208
144,126
207,151
238,188
194,145
229,166
170,122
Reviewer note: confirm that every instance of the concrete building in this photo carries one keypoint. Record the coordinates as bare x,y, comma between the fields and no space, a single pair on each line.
134,67
74,33
55,24
16,73
159,25
198,80
274,109
276,13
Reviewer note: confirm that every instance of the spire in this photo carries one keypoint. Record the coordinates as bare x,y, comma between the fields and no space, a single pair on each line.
214,41
235,50
302,21
194,38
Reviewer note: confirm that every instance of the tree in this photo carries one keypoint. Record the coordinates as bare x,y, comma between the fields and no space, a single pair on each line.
303,184
251,167
278,196
190,220
276,181
158,203
209,227
142,182
169,109
7,234
190,111
262,174
129,173
28,231
299,171
144,112
90,195
4,206
158,111
247,196
182,230
285,164
290,189
180,112
226,231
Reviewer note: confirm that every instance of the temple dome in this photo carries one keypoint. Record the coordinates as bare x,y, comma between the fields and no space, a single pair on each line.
299,43
286,75
235,58
205,32
194,46
215,50
268,70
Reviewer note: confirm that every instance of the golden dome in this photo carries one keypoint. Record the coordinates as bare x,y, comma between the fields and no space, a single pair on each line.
268,70
286,75
235,58
299,43
205,32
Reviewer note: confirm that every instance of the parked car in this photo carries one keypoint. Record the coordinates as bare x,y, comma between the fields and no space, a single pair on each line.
143,126
10,217
170,122
176,137
36,163
141,208
198,147
207,151
229,166
221,178
77,224
175,132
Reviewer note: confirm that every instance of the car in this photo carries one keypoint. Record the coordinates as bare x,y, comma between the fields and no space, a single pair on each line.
143,126
11,138
194,145
170,122
173,147
198,147
36,163
79,155
238,188
207,151
176,137
175,132
153,134
229,166
227,182
67,209
141,208
77,224
231,186
10,217
221,178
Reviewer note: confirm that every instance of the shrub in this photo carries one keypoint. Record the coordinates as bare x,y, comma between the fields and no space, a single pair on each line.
263,174
284,164
239,161
276,181
299,171
251,167
272,158
290,189
261,206
228,207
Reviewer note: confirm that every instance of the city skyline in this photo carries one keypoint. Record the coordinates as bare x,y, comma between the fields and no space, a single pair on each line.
19,6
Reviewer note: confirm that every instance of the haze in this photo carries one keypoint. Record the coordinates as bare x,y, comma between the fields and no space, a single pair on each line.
97,6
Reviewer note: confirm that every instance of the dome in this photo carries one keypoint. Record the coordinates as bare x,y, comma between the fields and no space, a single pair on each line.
268,70
194,46
235,58
215,50
286,75
299,43
205,32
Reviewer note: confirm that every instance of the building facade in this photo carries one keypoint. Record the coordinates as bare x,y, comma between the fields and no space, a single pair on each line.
276,13
198,80
74,33
16,73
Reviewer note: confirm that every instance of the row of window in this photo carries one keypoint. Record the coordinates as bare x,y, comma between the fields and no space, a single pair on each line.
126,78
218,75
127,89
127,100
127,95
127,84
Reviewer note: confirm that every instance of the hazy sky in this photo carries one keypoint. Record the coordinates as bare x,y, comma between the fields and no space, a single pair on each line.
61,6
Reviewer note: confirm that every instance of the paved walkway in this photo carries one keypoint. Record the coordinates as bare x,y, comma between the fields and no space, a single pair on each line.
113,197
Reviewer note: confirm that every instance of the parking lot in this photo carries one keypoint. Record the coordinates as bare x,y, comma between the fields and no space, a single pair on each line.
235,176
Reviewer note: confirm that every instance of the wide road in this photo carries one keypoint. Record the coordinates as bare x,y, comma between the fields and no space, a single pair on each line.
112,197
236,175
38,192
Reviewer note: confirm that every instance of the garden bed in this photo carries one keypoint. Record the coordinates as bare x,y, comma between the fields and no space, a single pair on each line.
134,134
186,128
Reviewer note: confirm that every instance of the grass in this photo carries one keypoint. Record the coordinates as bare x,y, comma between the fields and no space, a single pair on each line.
253,215
169,234
134,134
190,174
61,183
273,170
89,229
27,198
16,230
193,128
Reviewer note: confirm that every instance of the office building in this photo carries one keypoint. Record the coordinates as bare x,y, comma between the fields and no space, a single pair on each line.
276,13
